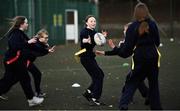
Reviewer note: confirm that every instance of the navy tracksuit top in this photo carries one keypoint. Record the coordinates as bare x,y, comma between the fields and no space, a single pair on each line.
143,47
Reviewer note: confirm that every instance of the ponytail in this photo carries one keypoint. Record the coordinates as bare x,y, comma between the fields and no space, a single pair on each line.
143,28
15,24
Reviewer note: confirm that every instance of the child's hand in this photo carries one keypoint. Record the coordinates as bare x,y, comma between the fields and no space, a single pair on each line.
110,43
33,40
52,49
88,40
36,37
99,52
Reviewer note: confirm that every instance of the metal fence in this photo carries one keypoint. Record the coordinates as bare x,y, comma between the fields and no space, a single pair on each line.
115,13
48,14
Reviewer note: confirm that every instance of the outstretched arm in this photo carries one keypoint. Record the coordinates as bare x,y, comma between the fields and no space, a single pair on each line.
108,53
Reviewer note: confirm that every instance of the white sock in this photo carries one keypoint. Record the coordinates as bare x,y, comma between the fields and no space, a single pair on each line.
88,91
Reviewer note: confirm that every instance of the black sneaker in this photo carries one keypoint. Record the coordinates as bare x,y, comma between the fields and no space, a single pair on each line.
146,102
95,102
41,94
124,108
87,95
102,103
132,101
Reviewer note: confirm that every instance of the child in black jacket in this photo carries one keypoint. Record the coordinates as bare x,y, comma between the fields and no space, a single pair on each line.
41,48
15,60
94,91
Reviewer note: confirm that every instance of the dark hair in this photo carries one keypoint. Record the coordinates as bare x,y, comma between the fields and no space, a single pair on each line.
86,19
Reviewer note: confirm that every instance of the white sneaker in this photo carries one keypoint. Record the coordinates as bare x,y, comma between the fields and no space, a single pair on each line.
35,101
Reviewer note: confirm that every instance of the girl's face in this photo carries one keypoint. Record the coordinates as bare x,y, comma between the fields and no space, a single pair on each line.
24,26
44,38
91,23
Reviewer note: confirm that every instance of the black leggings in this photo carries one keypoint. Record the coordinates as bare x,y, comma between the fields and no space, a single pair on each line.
36,75
96,75
16,72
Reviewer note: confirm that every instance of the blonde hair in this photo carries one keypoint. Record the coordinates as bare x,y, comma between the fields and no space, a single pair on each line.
41,32
141,12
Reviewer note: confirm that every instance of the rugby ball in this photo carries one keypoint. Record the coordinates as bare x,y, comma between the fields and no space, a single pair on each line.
99,39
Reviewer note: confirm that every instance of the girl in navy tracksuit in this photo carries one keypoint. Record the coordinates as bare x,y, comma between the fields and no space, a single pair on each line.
15,61
41,48
94,91
142,40
143,89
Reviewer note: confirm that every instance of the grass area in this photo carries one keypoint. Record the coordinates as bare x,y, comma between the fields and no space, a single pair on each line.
60,71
